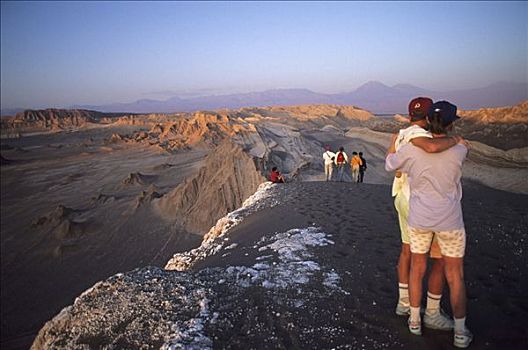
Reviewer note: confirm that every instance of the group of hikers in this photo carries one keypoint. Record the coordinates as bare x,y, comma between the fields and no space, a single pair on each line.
427,191
358,164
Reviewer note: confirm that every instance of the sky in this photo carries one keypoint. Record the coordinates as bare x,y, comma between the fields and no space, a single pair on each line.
58,54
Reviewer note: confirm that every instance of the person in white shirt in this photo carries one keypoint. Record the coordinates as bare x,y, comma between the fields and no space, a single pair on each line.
328,158
435,210
341,160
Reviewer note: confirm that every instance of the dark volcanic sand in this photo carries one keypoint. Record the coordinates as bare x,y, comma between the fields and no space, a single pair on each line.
363,224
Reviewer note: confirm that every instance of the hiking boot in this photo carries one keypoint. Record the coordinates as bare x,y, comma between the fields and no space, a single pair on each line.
403,310
438,320
415,327
462,340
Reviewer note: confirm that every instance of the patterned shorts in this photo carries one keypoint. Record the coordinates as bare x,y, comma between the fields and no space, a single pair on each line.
452,243
402,207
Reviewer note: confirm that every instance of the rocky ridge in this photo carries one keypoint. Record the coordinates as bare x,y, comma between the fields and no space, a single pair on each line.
53,120
227,179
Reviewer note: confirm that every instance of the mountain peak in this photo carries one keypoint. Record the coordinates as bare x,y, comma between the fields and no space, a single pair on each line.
373,84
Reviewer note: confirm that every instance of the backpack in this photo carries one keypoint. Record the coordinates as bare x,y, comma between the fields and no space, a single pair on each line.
340,157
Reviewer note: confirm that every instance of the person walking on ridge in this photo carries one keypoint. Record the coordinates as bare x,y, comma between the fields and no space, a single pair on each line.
341,160
328,158
417,135
355,164
435,210
362,167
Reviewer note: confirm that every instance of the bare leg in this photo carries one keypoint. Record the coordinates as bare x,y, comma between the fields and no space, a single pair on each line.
454,272
418,267
436,277
404,264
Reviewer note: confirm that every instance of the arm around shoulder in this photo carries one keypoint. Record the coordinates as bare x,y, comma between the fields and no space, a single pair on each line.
434,145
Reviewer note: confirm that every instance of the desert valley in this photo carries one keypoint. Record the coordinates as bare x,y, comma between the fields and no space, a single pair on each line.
174,214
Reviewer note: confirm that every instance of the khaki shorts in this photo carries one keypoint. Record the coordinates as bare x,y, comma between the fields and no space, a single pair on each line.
452,243
402,207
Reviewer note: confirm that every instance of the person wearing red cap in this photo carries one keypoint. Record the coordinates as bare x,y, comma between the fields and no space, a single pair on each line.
328,159
435,210
417,135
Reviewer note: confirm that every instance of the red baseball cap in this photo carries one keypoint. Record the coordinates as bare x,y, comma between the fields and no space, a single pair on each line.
419,108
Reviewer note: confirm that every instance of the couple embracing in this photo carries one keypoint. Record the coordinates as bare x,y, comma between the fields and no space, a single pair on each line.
427,191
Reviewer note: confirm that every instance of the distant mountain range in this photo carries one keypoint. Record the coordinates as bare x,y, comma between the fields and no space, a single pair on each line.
373,96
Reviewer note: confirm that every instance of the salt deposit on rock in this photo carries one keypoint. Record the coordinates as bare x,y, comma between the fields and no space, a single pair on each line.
184,310
212,242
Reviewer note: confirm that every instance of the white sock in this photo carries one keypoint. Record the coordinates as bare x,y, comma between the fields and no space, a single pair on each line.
404,293
433,302
415,314
460,325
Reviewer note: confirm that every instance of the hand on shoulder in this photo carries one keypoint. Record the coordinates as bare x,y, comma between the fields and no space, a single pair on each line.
461,141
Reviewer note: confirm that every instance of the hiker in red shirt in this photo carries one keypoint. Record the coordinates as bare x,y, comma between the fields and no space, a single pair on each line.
276,176
341,160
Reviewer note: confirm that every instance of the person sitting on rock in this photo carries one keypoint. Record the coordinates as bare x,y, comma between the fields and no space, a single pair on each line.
276,176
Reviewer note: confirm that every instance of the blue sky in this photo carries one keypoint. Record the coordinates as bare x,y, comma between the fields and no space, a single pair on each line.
65,53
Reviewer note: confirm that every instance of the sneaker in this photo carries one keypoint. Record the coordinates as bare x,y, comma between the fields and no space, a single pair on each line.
403,310
438,320
415,327
462,340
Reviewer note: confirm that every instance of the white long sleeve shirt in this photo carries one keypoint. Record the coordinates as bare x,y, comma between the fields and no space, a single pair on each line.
327,156
400,184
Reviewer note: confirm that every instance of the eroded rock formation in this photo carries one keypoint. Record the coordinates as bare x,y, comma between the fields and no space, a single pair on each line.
227,179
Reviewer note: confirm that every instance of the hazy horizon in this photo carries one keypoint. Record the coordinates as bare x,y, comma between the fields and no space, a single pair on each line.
59,54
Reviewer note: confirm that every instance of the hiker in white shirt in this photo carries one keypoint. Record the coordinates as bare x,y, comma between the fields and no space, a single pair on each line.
328,158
